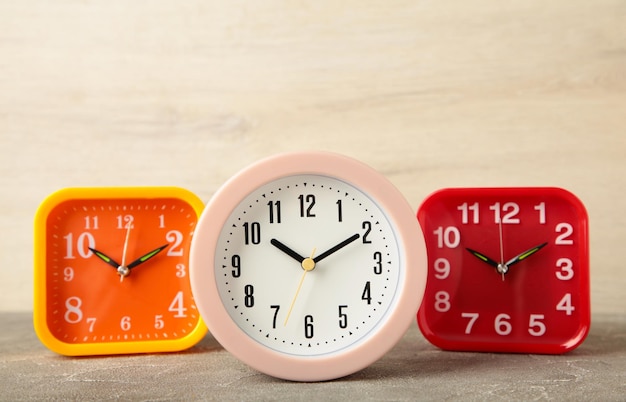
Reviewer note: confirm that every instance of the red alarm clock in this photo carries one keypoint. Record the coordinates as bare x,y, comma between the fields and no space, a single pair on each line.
508,270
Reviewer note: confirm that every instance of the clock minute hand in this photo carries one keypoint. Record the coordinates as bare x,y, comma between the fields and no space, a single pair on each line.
105,258
336,248
522,256
146,256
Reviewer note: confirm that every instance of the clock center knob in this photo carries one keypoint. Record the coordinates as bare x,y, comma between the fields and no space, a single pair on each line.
123,271
308,264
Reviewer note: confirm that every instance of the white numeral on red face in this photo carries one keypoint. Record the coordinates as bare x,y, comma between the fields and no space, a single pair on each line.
470,324
449,237
442,268
507,213
442,301
536,327
565,304
502,324
565,230
468,210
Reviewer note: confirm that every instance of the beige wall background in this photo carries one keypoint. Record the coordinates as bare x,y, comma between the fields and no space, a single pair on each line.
431,93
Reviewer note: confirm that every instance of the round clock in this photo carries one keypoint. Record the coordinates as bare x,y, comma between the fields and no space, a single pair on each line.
508,270
112,271
308,266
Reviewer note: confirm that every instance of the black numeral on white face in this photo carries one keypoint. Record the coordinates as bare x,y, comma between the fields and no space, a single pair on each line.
266,290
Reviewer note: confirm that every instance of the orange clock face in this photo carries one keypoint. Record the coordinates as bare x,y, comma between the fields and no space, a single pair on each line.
115,275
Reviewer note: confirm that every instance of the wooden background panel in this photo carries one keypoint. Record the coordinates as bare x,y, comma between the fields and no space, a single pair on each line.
432,94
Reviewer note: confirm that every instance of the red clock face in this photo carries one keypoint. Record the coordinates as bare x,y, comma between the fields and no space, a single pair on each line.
508,270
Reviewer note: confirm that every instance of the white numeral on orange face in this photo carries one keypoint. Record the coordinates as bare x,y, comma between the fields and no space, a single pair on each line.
74,314
177,306
175,250
125,323
84,241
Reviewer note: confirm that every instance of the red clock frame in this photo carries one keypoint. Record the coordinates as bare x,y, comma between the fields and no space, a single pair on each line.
508,270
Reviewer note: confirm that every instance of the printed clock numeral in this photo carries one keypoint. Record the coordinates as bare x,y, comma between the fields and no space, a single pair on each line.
506,213
307,202
449,237
274,211
252,232
468,210
565,230
442,268
84,241
73,313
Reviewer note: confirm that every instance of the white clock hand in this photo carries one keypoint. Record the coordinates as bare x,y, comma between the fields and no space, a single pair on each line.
123,269
502,267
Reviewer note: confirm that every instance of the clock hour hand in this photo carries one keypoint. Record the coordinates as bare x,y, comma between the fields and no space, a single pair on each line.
483,258
525,254
105,258
336,248
146,256
282,247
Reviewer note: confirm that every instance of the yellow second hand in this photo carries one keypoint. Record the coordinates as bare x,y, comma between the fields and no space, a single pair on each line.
308,264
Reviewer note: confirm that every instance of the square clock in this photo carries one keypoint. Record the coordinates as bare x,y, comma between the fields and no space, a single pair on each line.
508,270
112,271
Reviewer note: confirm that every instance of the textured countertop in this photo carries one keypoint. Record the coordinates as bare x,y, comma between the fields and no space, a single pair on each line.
413,370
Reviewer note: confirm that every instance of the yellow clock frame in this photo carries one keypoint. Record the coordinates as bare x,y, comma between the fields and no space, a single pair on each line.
139,287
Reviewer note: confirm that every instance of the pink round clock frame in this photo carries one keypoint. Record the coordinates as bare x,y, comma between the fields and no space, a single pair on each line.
309,368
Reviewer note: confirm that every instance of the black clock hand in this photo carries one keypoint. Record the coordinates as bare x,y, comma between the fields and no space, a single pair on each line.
483,258
105,258
146,256
336,248
525,254
287,250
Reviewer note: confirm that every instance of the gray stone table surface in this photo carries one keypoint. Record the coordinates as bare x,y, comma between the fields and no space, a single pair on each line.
412,370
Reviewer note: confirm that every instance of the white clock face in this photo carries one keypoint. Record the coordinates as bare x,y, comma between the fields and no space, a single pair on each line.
308,265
